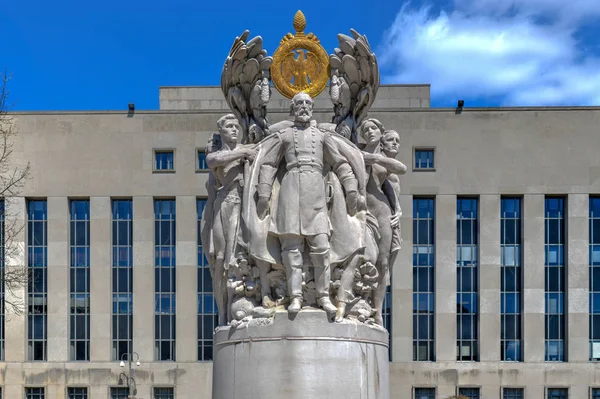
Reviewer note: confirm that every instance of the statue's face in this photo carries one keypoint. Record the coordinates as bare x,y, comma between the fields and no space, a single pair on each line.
230,130
391,143
371,132
303,108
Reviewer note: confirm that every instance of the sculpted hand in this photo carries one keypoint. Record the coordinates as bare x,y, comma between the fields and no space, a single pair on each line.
395,220
262,207
250,153
352,202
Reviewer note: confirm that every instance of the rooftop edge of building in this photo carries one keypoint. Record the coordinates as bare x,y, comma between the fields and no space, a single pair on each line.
544,108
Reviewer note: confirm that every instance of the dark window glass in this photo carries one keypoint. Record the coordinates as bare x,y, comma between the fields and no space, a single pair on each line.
34,393
424,393
554,279
164,160
37,261
202,165
163,393
512,393
423,279
424,159
471,393
77,393
119,393
557,393
467,282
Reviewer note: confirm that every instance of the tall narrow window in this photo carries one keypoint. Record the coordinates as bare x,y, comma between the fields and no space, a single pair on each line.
2,292
510,279
467,284
122,278
555,331
595,393
164,279
80,281
207,309
423,279
37,287
34,393
386,314
594,259
77,393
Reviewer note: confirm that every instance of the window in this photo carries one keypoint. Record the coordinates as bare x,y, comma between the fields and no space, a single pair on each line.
595,393
79,331
163,393
424,158
423,279
119,393
424,393
2,318
201,161
554,240
511,282
467,282
386,314
207,308
34,393
164,279
77,393
471,393
122,278
512,393
557,393
594,261
164,160
37,286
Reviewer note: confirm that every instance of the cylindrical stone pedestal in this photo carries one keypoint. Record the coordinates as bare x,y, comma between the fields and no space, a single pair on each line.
304,357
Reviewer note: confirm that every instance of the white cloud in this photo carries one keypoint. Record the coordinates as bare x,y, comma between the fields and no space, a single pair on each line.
519,52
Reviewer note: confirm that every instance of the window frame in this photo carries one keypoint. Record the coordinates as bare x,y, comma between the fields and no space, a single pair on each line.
87,388
414,158
557,387
117,268
152,394
197,162
478,387
26,387
414,390
163,150
511,387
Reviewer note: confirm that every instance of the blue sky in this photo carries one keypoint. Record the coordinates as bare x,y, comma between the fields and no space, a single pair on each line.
76,55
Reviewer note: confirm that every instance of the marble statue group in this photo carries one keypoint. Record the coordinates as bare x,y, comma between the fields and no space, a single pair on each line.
301,214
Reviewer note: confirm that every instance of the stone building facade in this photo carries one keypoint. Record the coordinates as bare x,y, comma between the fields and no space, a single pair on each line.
493,293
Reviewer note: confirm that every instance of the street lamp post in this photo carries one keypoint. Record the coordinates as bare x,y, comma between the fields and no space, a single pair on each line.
130,374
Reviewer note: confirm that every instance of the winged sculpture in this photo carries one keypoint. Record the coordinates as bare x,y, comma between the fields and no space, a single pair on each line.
245,82
354,82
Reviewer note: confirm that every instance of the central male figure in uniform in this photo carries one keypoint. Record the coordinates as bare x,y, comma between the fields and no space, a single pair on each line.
301,214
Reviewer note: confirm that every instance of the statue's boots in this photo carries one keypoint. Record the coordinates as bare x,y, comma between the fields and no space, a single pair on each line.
322,273
293,265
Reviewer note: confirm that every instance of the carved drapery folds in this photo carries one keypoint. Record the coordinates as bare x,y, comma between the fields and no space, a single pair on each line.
302,214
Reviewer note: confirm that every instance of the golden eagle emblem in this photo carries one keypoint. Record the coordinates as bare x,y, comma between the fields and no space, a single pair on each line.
300,63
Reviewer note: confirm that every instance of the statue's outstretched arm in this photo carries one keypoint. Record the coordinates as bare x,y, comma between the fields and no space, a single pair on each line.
224,157
391,164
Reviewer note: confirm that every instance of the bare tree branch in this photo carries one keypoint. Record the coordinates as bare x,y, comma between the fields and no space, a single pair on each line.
14,275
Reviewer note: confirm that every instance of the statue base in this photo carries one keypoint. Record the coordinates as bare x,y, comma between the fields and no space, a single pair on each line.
306,356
